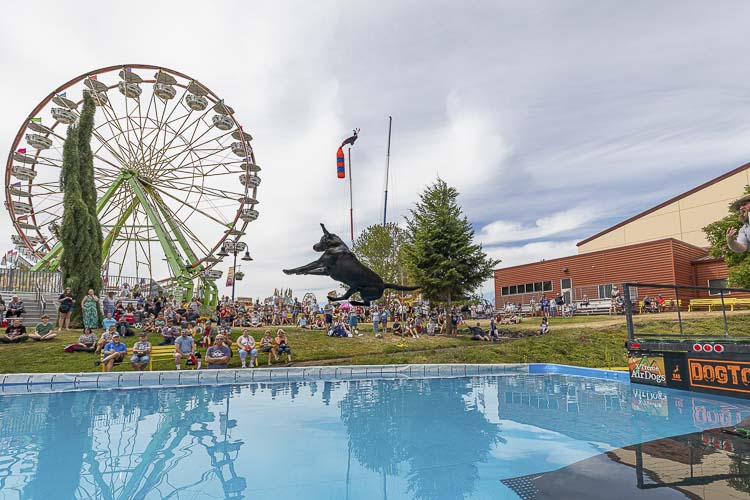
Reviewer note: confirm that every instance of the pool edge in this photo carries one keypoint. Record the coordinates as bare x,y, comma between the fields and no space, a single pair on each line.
25,383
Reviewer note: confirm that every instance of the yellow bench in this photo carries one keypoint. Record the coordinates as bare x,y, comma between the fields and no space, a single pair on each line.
158,353
711,303
742,302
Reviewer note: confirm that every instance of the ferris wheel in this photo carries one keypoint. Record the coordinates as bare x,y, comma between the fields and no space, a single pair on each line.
175,173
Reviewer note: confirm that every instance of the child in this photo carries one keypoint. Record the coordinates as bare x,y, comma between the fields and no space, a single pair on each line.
543,327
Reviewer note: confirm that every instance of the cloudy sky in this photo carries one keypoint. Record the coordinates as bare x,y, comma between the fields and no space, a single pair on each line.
553,119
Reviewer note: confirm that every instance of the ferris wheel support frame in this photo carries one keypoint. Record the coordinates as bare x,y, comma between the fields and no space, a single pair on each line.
51,261
180,271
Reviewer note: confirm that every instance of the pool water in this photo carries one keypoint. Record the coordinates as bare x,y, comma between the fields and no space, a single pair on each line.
428,439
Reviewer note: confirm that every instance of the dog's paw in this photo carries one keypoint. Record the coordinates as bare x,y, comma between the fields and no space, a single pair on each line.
332,298
287,271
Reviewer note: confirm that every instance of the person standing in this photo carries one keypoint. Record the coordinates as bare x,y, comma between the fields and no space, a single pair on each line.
375,319
108,304
90,307
738,241
66,303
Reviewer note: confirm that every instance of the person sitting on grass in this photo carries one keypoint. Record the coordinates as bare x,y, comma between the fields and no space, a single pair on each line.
108,321
340,330
141,353
431,326
184,348
106,338
266,345
43,330
114,352
283,347
86,342
217,356
543,327
478,334
411,329
15,333
245,347
397,328
169,334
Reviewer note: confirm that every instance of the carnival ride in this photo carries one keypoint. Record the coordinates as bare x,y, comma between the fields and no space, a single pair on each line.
176,176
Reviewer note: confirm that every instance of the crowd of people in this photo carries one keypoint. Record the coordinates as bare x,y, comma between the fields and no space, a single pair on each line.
204,338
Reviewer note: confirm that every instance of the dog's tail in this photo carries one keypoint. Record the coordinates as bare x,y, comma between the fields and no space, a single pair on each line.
401,287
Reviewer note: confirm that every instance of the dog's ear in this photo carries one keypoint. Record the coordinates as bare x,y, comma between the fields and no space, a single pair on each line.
325,231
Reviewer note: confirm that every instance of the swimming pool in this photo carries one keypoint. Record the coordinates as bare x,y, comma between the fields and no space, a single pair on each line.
456,437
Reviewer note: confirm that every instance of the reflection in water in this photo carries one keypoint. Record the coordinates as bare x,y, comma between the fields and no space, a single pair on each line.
442,435
87,444
483,437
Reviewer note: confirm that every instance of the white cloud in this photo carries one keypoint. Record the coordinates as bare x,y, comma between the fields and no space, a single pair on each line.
531,252
548,118
502,231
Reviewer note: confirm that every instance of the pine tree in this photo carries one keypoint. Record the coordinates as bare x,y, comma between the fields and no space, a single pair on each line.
80,231
441,254
380,247
738,265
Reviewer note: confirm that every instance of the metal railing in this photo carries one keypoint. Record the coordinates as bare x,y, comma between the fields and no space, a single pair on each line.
18,280
686,298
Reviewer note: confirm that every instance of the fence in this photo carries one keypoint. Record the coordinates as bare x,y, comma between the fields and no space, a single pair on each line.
17,280
685,300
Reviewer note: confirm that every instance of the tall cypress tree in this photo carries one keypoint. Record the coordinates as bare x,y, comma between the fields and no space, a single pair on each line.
80,231
86,164
441,254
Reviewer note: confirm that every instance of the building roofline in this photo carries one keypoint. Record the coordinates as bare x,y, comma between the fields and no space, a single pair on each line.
644,243
668,202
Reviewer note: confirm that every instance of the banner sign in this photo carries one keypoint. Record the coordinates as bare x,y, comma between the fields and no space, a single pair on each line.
230,277
720,374
646,369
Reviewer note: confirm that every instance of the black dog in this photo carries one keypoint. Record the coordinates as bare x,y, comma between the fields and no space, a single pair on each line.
341,264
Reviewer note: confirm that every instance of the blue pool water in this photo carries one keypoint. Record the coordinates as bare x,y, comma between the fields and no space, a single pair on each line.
427,439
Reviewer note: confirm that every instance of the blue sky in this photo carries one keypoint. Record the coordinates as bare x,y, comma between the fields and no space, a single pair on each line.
553,119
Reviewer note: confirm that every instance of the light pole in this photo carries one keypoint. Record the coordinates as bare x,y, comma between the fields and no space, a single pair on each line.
234,248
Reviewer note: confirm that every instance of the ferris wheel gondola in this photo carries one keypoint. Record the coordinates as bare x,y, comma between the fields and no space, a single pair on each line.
169,156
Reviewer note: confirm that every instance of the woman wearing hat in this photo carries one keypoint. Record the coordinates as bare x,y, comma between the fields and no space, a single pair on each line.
739,241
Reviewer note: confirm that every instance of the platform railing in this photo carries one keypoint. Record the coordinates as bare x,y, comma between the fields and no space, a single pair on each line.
687,299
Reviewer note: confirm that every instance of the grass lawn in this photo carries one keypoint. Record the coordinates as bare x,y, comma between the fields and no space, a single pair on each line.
594,341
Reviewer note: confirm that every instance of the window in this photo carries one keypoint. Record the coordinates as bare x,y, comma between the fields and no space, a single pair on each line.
538,287
547,286
529,287
565,283
605,291
505,290
512,290
718,284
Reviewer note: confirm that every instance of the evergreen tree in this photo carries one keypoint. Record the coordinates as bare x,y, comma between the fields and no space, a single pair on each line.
86,163
381,249
80,231
738,265
441,254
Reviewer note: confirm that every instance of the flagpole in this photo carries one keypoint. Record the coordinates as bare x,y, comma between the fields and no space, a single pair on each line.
351,198
387,168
